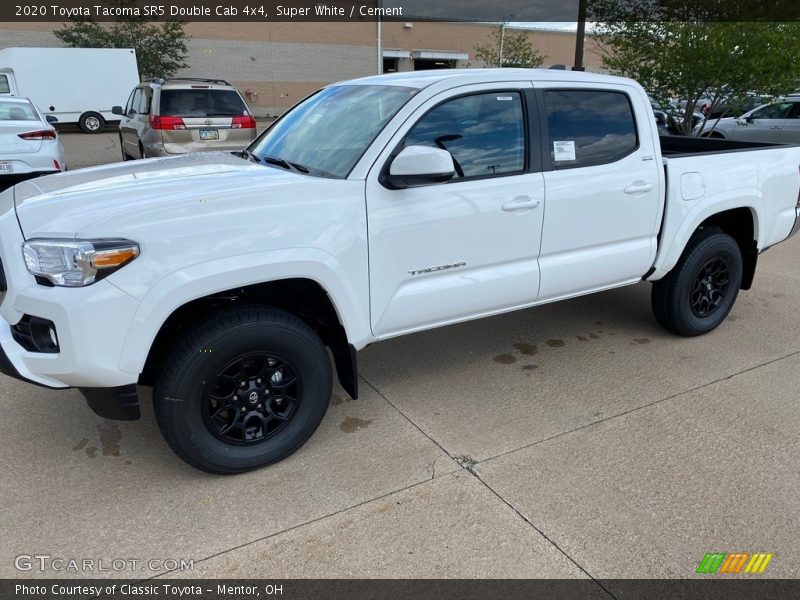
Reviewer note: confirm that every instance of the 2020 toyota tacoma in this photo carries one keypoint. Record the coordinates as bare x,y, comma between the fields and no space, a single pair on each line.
374,208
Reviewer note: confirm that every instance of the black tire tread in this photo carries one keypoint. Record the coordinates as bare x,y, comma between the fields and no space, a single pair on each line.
665,289
221,322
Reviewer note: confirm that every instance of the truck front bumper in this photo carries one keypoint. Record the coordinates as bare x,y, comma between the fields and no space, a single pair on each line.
89,347
91,325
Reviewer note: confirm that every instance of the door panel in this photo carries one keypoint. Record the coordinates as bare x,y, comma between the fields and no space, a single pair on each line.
603,196
127,131
447,252
492,251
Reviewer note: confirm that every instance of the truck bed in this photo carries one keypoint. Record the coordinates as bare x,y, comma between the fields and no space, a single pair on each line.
673,146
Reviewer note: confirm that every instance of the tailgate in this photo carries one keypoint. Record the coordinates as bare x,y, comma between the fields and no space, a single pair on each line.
208,131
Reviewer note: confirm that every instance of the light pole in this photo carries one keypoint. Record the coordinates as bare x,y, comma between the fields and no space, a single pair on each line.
579,35
378,25
502,41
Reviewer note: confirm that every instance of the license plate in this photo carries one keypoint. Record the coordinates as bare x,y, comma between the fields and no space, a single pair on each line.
209,134
6,167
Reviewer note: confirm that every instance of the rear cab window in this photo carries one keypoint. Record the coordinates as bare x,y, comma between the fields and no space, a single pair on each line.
589,127
201,103
5,87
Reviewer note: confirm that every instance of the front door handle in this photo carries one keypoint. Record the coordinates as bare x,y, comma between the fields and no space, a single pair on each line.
775,127
521,203
638,187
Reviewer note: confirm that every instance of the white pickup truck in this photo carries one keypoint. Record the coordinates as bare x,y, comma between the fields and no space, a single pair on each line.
372,209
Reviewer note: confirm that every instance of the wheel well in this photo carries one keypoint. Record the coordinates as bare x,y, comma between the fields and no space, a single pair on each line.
304,298
740,225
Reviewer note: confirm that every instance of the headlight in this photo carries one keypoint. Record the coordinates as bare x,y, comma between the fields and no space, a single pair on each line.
77,263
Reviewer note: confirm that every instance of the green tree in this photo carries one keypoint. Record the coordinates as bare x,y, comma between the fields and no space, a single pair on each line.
720,61
160,47
518,51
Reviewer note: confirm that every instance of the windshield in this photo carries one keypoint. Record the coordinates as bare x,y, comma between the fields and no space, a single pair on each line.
326,134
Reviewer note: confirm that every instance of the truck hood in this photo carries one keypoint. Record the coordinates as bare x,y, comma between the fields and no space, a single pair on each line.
65,204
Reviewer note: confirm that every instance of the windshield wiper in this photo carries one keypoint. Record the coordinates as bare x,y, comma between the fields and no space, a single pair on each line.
249,156
289,166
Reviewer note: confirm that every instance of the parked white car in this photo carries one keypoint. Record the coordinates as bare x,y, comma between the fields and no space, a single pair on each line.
29,146
374,208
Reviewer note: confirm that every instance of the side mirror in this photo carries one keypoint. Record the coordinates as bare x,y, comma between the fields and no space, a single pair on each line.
419,165
748,119
117,110
51,119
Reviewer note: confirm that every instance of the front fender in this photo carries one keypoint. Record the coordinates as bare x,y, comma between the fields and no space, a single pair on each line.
200,280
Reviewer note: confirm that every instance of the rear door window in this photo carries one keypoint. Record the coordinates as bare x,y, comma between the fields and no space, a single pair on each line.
589,127
137,100
143,107
202,103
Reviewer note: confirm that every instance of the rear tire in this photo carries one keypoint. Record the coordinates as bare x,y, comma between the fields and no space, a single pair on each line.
244,389
91,122
701,290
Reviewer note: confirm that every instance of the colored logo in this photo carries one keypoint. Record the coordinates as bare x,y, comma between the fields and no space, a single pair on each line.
734,562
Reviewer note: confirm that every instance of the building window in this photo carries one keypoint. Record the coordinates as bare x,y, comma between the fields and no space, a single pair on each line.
390,65
426,64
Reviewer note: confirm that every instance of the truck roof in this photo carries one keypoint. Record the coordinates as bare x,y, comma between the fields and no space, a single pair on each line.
423,79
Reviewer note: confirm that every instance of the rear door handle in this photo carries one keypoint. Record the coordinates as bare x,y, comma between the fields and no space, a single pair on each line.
776,127
521,203
638,187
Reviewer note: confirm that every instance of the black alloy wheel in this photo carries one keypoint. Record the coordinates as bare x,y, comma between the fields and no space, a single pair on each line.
710,286
252,399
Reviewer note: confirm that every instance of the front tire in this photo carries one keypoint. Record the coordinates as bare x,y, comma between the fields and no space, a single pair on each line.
245,389
700,291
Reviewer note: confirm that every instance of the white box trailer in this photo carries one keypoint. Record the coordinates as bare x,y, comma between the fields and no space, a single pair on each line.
75,85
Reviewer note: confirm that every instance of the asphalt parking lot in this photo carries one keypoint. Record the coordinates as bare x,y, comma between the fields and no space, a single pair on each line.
577,439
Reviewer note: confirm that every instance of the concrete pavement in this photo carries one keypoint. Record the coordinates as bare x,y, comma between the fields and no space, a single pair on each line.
572,440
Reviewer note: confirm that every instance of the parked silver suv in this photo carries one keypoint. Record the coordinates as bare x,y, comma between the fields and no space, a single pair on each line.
777,122
180,115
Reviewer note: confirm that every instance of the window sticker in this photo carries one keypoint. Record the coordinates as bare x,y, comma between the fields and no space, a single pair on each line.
564,150
505,98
